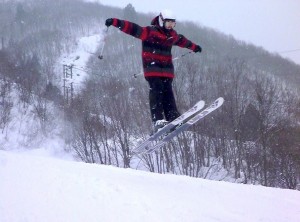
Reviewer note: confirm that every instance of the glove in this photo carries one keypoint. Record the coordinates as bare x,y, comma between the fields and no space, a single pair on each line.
198,49
109,22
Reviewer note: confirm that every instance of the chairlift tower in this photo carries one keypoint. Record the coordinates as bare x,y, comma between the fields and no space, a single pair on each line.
68,83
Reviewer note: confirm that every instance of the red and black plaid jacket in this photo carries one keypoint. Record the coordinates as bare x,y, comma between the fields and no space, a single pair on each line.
156,46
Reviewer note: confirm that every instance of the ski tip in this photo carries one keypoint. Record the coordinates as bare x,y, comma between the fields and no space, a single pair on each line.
221,99
217,103
200,103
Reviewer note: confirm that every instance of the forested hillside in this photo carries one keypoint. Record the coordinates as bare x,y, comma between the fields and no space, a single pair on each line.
253,138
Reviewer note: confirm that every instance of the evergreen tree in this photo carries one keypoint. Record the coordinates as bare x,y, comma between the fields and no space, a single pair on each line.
130,13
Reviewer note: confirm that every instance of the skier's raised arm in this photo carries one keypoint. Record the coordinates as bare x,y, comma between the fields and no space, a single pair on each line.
183,42
129,28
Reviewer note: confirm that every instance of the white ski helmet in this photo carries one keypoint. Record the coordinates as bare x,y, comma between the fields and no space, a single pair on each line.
166,14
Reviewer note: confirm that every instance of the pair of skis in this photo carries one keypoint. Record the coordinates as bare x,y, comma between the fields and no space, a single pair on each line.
177,126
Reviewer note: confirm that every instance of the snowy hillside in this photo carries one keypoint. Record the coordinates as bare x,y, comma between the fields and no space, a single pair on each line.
42,188
84,49
23,129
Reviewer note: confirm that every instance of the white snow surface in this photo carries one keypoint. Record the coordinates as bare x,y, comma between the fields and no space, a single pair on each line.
35,187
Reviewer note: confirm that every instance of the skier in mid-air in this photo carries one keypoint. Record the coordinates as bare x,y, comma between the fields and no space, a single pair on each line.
157,42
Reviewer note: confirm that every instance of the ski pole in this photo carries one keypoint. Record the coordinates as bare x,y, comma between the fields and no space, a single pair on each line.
104,41
182,55
178,57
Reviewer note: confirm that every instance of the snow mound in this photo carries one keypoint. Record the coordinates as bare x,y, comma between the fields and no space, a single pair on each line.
39,188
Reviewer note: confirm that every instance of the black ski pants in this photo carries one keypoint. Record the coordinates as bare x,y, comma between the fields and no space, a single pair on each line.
161,99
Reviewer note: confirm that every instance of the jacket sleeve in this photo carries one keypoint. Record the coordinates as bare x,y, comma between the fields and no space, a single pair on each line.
131,28
183,42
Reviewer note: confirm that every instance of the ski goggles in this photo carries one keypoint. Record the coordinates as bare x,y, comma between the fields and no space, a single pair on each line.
170,23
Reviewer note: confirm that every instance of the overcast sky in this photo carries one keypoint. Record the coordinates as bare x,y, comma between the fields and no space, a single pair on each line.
272,24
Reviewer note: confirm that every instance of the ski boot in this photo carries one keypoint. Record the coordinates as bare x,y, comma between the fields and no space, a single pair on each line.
159,124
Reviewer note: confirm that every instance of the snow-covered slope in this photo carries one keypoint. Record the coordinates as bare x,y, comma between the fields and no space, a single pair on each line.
78,58
24,129
40,188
